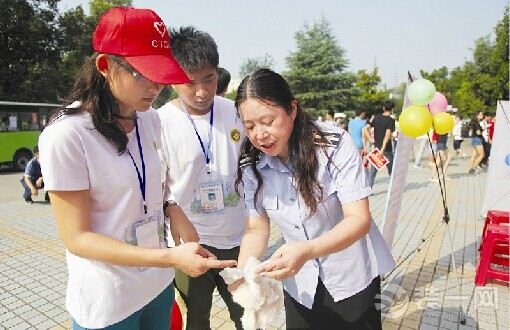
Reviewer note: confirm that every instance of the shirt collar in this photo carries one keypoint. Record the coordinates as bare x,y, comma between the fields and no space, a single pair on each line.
273,163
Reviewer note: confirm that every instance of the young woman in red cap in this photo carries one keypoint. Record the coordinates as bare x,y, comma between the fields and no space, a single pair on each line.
100,161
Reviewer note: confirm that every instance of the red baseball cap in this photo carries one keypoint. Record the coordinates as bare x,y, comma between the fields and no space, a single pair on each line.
141,37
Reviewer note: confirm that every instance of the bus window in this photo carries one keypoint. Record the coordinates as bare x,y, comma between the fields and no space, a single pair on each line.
4,123
34,123
25,119
13,122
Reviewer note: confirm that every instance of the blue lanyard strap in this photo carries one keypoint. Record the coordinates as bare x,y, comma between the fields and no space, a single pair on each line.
141,180
208,152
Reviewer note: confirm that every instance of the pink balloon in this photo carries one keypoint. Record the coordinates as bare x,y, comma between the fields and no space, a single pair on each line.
438,104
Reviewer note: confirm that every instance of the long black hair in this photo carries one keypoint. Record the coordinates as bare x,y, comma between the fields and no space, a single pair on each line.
93,91
267,85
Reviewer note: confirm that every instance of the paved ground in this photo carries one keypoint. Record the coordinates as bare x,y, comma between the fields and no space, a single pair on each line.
423,292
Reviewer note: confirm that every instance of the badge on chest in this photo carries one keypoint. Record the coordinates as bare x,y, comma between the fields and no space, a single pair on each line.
211,197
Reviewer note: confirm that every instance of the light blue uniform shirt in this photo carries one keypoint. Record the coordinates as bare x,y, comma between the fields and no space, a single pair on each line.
344,273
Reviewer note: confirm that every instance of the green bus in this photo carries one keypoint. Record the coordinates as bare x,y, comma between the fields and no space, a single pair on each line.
20,126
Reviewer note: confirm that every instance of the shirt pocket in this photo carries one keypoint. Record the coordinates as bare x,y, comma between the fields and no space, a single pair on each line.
270,202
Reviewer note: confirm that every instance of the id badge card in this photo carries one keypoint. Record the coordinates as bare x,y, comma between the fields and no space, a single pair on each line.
148,232
211,197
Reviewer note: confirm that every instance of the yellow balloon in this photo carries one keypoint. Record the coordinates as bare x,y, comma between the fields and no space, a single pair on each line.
443,123
415,120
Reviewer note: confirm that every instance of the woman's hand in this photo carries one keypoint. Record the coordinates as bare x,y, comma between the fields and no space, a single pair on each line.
234,286
181,227
194,260
286,261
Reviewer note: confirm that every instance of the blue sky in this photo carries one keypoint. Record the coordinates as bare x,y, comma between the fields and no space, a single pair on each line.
395,35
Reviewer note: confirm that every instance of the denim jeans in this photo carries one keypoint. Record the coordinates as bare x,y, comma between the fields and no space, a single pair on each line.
372,171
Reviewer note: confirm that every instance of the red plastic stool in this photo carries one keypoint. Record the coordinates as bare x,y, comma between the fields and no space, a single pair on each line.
176,320
495,235
494,217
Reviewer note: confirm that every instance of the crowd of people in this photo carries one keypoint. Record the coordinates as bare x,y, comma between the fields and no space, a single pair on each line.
379,129
151,201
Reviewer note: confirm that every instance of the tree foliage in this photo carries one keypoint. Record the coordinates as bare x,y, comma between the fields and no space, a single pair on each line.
251,65
29,50
42,49
481,82
317,70
367,94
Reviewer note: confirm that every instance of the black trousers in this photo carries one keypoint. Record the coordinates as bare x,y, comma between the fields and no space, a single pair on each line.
359,311
197,293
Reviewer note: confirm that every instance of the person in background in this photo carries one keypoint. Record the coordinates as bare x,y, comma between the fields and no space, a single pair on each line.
487,140
419,146
223,81
330,118
307,177
368,132
477,143
492,127
457,137
100,163
356,126
483,125
202,136
442,158
383,125
32,180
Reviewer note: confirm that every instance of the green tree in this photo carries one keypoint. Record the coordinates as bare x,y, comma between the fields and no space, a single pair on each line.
441,79
481,82
252,64
317,70
76,30
29,51
368,94
98,7
75,37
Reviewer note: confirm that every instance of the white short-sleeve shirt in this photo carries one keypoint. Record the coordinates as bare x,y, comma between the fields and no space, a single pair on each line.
185,166
343,180
75,156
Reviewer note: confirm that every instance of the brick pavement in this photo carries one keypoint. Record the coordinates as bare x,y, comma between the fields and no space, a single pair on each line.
423,292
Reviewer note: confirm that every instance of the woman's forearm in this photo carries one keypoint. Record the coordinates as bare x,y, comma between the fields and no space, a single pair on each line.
255,239
94,246
344,234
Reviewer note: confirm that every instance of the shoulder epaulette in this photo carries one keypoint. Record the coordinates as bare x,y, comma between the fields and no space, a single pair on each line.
247,159
328,139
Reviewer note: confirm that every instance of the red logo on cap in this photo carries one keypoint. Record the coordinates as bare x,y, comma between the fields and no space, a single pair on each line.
161,28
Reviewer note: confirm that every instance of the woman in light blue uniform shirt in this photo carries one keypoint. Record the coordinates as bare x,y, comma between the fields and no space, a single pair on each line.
308,178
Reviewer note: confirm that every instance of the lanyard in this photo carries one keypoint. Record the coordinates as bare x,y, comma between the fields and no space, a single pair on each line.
141,180
208,152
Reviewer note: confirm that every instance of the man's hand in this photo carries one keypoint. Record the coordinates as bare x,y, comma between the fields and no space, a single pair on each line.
234,286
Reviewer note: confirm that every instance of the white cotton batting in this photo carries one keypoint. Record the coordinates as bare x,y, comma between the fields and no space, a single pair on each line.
260,296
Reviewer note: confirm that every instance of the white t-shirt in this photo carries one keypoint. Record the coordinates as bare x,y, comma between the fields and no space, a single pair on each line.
187,175
457,131
75,156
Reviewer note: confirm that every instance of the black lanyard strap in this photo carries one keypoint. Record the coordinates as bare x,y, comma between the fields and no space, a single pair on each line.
141,180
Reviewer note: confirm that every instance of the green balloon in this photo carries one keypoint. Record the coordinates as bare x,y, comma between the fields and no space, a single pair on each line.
415,120
421,91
